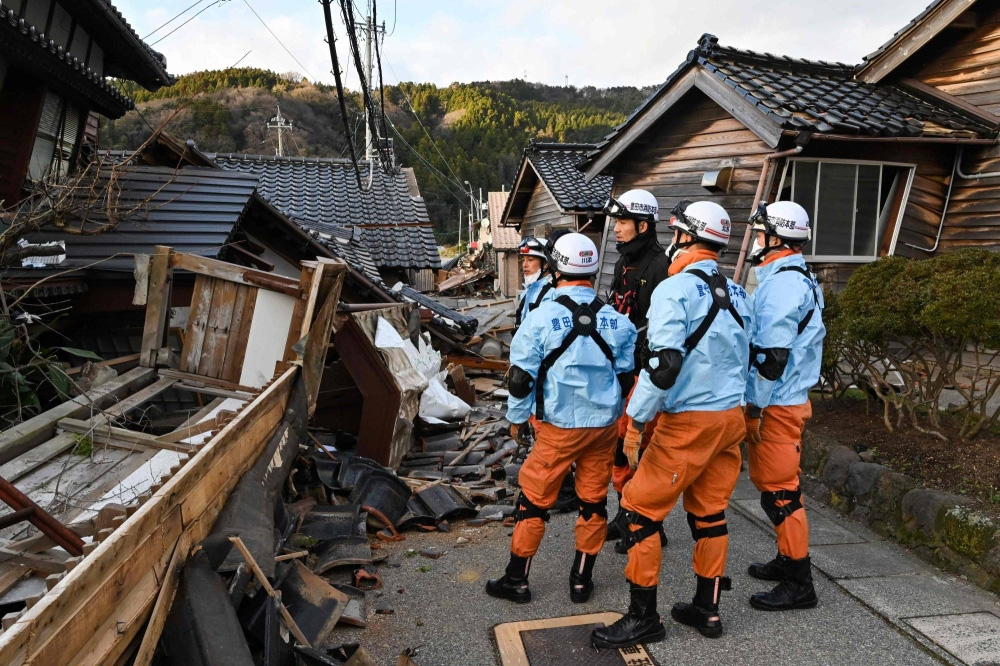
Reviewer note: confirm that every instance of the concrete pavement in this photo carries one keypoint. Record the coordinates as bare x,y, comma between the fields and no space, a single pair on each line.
878,605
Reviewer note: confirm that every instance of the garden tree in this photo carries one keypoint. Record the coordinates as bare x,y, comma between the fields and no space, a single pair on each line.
473,131
907,330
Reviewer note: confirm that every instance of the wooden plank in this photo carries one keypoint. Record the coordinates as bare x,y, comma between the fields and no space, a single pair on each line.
214,391
157,305
129,358
480,363
234,273
189,431
36,457
54,631
194,336
24,436
34,561
196,380
164,599
262,579
233,362
139,398
217,329
299,325
110,433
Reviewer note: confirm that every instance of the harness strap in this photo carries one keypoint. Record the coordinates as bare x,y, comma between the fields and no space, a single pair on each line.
546,288
524,508
707,532
716,283
777,514
580,328
812,281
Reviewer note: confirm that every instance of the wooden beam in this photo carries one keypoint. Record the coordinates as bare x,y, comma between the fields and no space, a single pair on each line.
921,89
737,105
480,363
129,358
157,305
214,391
23,437
113,436
139,398
234,273
195,380
33,561
164,599
262,579
188,431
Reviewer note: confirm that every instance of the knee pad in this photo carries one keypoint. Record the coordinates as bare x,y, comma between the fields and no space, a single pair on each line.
621,460
698,533
589,509
776,513
647,527
525,508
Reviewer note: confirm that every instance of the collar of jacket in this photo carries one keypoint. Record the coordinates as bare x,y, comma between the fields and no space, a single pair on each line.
636,247
691,257
780,259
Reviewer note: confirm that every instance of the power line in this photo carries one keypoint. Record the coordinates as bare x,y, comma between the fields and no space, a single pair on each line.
163,25
196,15
247,3
441,177
393,18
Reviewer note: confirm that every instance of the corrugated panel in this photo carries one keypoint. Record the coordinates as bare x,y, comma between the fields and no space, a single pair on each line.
193,210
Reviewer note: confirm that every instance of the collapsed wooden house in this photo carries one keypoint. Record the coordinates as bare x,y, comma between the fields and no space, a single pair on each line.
133,508
895,156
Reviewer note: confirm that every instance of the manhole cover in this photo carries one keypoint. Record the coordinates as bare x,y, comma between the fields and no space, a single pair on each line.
563,641
974,638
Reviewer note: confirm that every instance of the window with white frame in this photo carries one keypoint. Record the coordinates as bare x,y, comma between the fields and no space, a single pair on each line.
854,206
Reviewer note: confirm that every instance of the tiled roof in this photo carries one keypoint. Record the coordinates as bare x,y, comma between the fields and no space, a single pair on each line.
902,31
816,96
556,164
133,58
504,238
20,41
346,243
322,192
193,209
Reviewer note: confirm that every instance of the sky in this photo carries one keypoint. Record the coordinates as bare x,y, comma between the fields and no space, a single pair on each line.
592,42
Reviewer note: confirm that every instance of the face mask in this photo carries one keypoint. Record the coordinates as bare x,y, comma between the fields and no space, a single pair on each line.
674,251
531,279
756,250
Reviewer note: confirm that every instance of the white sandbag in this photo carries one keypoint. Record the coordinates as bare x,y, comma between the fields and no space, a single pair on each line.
436,401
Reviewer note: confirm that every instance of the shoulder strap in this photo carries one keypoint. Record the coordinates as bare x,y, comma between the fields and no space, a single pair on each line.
546,288
584,324
718,289
812,281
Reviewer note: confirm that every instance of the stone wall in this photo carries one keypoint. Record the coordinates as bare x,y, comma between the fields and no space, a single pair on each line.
943,528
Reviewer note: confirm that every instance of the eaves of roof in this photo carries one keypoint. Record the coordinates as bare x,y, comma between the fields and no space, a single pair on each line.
127,55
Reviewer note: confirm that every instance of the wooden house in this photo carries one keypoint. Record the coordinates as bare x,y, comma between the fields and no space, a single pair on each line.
887,156
549,193
506,241
55,60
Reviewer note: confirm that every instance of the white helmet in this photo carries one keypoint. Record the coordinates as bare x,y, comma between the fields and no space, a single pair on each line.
786,220
574,254
705,220
635,205
532,247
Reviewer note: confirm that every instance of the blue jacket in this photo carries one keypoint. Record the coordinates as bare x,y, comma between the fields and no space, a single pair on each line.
714,373
781,301
581,389
531,294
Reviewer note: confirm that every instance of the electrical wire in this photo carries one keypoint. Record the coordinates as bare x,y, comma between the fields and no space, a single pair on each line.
365,85
247,3
441,177
163,25
196,15
394,15
331,41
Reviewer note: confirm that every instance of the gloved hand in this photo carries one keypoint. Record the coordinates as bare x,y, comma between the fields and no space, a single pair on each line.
752,416
633,441
522,433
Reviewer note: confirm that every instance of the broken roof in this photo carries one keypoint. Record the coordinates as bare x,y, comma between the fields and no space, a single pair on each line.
780,93
321,192
555,165
193,209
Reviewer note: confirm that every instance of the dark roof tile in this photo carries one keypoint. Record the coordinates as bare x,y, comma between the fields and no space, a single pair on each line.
556,164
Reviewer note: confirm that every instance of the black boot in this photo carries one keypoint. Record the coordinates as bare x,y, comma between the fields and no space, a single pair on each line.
614,530
513,585
703,611
774,570
622,548
795,591
581,582
641,624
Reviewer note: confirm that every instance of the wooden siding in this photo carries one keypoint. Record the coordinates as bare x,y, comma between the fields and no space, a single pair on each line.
694,137
20,107
974,211
542,209
508,273
969,68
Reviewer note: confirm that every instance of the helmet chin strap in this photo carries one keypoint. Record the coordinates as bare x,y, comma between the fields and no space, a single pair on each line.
758,258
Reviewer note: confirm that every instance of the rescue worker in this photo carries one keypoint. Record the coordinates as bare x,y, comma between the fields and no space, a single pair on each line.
537,284
694,374
786,352
642,265
567,362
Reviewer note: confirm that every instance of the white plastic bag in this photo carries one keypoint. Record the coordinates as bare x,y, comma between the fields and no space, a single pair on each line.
436,401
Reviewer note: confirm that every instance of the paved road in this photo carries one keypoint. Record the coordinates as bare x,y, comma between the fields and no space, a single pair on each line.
878,604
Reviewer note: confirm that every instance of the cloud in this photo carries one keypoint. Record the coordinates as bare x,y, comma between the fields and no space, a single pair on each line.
592,41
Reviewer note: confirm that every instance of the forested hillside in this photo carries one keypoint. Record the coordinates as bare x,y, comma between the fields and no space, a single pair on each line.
471,132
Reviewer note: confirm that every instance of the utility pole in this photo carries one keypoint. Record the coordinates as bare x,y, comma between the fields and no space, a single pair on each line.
281,124
371,32
460,231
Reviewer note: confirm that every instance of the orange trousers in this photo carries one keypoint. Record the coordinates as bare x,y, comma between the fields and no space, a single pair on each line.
622,472
554,452
774,465
698,454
